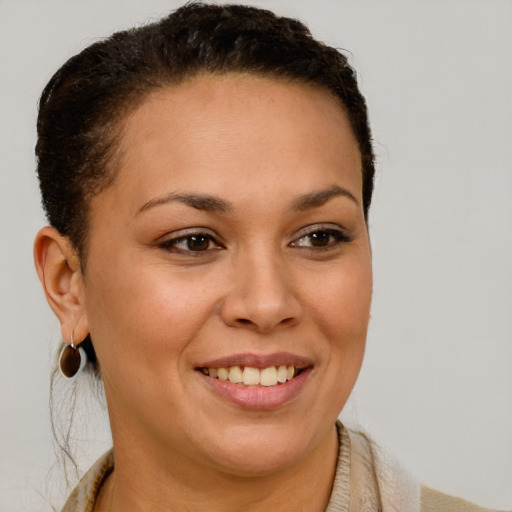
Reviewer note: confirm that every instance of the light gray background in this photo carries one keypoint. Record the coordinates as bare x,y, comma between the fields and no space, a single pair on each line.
436,386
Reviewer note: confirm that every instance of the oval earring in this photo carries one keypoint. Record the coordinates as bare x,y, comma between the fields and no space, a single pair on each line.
72,360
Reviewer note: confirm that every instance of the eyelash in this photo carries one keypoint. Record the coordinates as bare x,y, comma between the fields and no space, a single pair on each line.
173,243
335,236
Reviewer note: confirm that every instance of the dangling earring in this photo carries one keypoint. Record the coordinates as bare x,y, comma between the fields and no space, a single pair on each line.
72,360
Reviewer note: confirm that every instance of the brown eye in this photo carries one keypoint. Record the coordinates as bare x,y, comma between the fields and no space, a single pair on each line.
192,244
198,243
321,239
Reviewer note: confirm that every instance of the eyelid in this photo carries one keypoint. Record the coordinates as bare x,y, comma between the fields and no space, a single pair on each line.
181,233
340,234
169,240
314,228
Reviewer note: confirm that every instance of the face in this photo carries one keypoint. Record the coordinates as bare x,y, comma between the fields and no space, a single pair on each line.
232,246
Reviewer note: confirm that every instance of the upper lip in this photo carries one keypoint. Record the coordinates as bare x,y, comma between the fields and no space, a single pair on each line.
258,360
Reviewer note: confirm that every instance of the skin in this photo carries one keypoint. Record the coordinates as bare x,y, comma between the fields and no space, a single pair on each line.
156,312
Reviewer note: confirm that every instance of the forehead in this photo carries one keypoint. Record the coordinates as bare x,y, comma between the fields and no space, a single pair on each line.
213,129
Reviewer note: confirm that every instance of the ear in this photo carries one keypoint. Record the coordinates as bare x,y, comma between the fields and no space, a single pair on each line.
58,267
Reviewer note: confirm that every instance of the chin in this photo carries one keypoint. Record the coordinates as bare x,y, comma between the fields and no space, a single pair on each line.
262,450
252,462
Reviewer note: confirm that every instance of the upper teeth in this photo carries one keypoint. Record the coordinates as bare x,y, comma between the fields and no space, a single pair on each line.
251,376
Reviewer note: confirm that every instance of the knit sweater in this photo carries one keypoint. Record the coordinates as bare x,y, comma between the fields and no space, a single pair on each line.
366,480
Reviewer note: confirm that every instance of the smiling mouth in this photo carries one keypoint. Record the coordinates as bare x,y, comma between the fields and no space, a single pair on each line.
254,377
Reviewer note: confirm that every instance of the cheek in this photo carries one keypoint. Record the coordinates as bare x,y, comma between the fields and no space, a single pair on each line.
135,316
341,300
342,311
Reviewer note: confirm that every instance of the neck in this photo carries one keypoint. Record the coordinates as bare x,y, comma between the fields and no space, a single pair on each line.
143,483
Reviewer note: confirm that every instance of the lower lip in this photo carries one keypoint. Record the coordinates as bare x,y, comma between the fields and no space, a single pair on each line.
270,397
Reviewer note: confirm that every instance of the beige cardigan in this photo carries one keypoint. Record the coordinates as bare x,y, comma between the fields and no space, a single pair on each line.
367,480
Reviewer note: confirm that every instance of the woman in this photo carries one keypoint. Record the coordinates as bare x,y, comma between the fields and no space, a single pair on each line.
207,180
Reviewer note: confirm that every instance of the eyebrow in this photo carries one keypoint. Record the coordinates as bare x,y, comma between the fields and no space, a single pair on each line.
203,202
320,197
213,204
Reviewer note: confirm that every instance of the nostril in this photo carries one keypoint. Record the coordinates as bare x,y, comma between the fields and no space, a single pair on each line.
244,321
249,323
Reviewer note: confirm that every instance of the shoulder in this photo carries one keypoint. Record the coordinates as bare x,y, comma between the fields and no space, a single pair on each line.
83,497
397,488
435,501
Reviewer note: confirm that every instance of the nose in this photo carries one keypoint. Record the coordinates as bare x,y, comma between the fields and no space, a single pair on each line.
262,295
